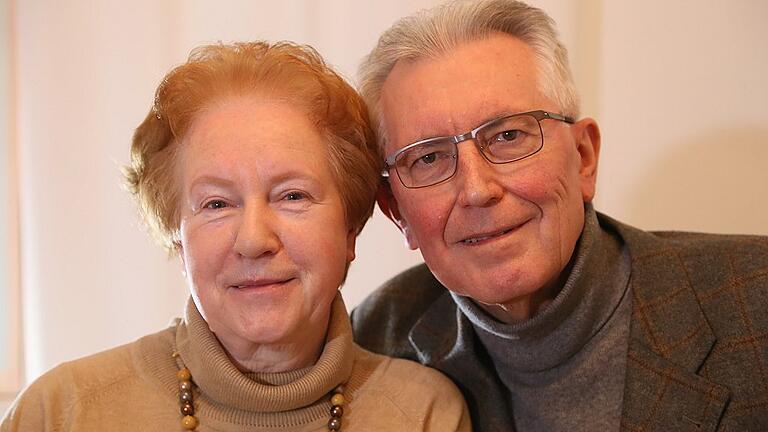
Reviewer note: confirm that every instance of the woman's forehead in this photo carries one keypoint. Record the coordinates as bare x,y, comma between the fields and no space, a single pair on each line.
242,135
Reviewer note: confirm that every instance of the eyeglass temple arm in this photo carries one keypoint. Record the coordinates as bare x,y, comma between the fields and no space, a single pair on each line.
554,116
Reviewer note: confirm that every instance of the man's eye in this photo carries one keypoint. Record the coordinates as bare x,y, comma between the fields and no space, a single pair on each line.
508,135
427,159
215,205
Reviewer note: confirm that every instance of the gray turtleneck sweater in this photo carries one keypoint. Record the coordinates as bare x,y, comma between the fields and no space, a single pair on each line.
564,368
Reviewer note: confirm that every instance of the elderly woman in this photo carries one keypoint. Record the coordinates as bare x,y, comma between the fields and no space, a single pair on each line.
255,165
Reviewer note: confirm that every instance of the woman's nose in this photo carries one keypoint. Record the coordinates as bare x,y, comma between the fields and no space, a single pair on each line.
256,236
477,180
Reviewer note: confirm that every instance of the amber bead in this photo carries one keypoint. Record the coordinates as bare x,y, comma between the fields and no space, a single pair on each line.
185,385
337,411
337,399
188,422
183,374
334,424
186,396
187,409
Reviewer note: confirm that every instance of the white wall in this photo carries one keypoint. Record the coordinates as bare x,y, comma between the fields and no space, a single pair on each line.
10,335
677,89
683,103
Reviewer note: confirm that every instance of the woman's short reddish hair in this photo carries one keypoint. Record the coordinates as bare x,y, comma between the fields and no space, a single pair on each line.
285,71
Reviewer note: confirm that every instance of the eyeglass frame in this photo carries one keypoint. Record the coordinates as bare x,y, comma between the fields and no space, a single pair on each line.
539,115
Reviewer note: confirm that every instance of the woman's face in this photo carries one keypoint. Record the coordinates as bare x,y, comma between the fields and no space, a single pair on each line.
264,241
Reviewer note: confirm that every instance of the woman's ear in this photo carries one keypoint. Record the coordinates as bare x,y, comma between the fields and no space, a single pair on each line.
176,245
388,205
180,252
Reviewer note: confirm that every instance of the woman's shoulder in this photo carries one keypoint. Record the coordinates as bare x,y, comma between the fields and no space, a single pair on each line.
429,399
46,403
103,369
402,372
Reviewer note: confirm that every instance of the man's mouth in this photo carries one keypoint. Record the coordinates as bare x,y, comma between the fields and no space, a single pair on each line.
474,240
469,241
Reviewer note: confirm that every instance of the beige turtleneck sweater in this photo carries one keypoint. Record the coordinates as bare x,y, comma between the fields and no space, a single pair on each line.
134,388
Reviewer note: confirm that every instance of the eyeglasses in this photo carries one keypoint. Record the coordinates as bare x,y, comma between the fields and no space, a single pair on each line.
502,140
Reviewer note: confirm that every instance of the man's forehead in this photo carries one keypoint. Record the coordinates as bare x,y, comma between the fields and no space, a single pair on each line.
417,122
458,90
427,123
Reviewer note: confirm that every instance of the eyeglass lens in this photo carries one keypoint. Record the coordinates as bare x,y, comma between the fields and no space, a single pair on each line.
504,140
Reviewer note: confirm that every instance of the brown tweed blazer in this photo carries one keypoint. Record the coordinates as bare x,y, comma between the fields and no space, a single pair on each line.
698,350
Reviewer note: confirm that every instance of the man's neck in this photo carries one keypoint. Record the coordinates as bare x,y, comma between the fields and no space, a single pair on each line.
520,309
524,308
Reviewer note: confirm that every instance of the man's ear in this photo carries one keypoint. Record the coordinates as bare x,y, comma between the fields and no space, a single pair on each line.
351,240
388,205
587,136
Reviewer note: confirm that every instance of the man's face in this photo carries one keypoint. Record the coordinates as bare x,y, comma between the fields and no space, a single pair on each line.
497,233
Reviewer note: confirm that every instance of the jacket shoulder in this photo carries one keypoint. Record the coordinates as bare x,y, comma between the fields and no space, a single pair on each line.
381,323
727,277
685,243
719,268
710,260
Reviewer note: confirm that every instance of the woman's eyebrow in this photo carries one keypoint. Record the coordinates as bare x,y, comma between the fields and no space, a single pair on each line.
210,180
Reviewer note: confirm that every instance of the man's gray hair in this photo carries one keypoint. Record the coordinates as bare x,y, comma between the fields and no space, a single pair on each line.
432,32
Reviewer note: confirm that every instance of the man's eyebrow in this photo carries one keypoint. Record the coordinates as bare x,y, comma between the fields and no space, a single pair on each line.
438,125
502,112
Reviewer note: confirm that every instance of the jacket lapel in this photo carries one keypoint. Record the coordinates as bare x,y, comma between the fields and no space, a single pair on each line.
669,341
451,346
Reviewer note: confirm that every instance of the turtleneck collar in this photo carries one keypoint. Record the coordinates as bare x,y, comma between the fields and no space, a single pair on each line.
220,380
587,300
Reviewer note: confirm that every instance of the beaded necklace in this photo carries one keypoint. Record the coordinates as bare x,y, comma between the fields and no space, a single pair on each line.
186,400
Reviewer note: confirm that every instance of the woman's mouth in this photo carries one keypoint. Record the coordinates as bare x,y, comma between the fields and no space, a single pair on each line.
260,283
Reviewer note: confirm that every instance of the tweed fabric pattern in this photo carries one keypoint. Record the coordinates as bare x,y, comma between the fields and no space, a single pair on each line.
698,350
702,316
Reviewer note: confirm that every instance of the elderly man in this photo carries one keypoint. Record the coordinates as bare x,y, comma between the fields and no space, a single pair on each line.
555,317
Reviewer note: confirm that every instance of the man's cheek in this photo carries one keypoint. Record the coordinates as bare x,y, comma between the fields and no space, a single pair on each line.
428,217
536,189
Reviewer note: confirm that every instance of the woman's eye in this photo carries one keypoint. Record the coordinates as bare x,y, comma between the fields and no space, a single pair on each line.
294,196
215,205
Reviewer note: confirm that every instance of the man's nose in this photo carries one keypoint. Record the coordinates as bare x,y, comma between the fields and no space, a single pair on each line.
257,234
476,177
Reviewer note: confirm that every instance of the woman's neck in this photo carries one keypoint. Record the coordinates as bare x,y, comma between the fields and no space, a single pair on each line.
298,353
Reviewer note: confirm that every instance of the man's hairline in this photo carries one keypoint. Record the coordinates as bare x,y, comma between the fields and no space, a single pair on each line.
383,137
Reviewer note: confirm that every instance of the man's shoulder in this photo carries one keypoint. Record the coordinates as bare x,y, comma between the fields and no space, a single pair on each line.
701,300
645,244
704,261
382,322
738,256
